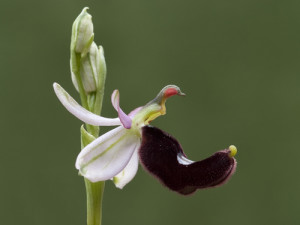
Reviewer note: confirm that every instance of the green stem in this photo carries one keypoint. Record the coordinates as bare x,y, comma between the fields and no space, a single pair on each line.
76,64
94,193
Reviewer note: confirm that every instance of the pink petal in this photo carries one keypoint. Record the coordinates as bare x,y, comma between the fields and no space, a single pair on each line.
115,100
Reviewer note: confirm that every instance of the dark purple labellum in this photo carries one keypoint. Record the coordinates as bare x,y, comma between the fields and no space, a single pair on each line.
159,153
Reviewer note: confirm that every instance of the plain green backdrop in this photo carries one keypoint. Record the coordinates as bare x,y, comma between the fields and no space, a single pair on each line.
238,63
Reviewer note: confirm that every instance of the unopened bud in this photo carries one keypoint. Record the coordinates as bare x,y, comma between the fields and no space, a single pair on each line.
92,69
82,33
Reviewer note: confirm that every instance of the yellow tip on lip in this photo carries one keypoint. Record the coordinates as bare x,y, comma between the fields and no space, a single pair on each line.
233,150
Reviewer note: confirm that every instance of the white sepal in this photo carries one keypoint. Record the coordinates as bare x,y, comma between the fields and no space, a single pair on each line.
81,113
128,173
108,155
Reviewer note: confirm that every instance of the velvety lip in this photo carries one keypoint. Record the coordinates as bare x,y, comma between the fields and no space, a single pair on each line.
159,154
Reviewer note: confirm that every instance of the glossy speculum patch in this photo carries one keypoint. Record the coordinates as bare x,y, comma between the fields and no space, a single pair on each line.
159,153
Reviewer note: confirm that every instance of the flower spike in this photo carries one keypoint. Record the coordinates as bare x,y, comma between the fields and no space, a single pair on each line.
163,157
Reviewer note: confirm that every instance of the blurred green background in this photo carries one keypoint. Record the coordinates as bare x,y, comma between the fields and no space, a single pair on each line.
238,63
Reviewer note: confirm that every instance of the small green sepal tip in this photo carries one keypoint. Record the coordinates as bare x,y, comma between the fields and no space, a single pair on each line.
233,150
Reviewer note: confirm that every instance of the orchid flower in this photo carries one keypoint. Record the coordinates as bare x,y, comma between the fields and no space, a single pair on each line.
115,155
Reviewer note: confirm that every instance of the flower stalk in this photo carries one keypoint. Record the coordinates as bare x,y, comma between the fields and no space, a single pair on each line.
94,194
94,191
88,70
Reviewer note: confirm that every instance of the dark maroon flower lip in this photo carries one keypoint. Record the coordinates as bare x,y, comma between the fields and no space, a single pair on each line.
162,156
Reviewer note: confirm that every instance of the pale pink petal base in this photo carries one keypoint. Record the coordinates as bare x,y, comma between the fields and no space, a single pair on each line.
134,112
115,100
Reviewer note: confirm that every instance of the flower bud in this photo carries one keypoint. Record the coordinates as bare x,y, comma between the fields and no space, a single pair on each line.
82,33
92,69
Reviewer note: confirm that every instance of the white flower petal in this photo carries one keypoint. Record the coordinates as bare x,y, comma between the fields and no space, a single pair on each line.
108,155
128,173
81,113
